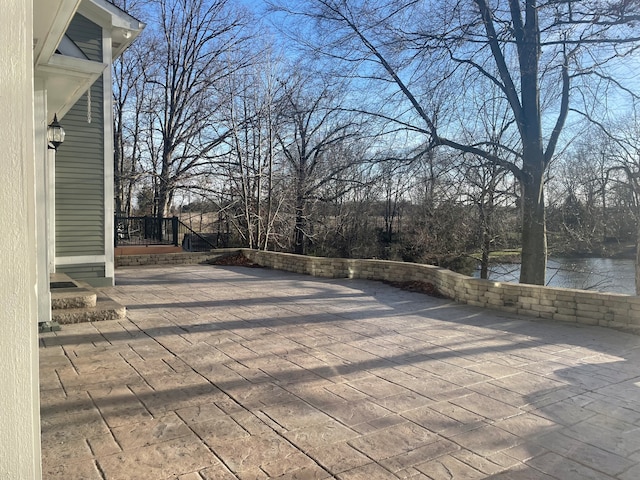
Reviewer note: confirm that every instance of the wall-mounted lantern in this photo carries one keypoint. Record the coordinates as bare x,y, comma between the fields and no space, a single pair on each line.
55,134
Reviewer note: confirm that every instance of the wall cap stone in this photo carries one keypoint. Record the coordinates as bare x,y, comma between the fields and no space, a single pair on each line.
562,304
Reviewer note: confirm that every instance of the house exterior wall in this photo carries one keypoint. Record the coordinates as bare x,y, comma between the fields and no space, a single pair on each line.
80,228
86,272
87,36
43,163
19,403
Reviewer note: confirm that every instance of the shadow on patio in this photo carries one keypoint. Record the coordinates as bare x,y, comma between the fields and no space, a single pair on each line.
228,372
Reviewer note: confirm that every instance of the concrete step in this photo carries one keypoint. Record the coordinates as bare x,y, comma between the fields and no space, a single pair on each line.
73,301
65,298
105,309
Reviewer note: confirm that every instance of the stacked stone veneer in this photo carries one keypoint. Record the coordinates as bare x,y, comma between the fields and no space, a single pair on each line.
567,305
182,258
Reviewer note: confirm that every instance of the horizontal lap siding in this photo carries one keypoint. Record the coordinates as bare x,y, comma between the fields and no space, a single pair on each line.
90,273
80,162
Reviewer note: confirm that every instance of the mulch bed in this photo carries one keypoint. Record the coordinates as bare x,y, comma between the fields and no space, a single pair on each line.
417,286
237,260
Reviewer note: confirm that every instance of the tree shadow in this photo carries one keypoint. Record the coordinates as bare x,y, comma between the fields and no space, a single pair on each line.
574,387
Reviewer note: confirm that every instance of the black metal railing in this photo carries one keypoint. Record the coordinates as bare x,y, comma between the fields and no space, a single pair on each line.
150,230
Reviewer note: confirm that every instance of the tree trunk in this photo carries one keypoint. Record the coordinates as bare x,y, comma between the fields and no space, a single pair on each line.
486,245
486,208
163,193
163,201
164,190
270,193
638,257
534,233
118,162
129,196
484,263
299,236
485,241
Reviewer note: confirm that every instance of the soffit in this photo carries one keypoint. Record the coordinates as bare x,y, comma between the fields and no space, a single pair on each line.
122,27
50,21
67,79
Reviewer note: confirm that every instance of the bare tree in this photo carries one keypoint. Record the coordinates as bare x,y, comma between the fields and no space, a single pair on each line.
627,162
348,224
486,189
535,54
128,98
580,184
487,182
395,180
312,130
193,41
251,112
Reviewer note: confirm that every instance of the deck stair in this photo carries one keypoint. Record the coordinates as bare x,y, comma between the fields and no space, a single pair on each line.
73,301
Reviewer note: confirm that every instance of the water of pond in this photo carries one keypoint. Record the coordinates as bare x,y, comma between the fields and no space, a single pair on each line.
600,274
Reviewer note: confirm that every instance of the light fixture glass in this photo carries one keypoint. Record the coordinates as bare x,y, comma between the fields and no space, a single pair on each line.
55,134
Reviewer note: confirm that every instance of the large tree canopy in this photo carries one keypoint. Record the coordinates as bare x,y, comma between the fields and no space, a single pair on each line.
190,47
420,130
427,59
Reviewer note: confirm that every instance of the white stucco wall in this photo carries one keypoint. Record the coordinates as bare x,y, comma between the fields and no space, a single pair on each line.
19,405
42,159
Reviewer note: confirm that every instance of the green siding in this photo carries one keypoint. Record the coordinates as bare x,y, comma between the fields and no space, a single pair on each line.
93,274
87,36
80,162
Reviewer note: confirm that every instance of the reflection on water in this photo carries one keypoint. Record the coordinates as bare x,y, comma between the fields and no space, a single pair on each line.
601,274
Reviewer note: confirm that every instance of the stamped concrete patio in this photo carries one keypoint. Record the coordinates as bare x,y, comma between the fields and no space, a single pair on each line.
238,373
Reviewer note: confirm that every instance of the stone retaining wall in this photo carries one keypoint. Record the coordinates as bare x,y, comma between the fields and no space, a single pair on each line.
182,258
567,305
562,304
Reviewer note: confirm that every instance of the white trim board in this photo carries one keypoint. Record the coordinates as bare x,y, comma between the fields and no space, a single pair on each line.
109,173
81,260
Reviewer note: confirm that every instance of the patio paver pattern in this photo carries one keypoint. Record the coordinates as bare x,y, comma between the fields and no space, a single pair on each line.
238,373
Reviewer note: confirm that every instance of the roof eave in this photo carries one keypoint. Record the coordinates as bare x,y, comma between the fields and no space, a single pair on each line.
123,28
